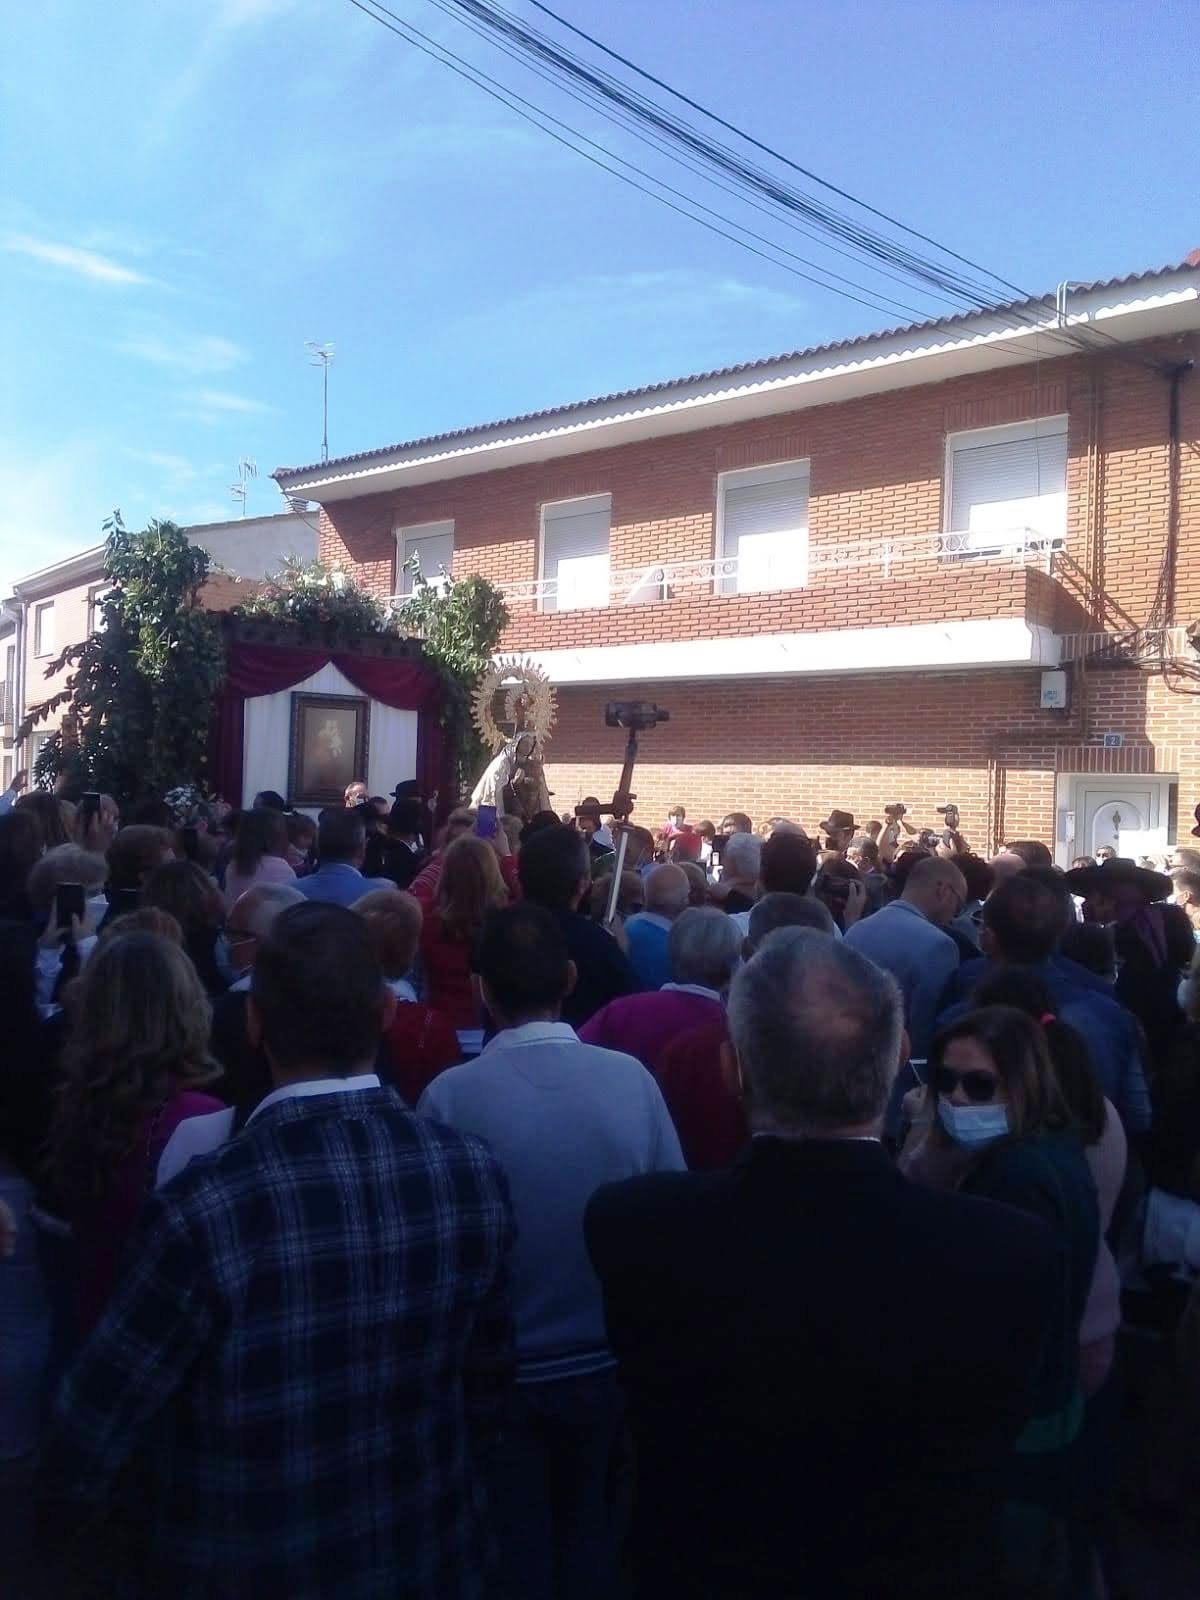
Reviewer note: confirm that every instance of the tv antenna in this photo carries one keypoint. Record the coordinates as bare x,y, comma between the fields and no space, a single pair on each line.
321,355
247,469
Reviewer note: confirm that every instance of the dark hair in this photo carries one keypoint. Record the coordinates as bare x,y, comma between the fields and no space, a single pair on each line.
261,832
903,865
188,893
1092,945
783,910
20,850
978,874
134,852
867,848
1021,1055
788,864
47,809
318,989
153,813
1032,852
744,825
522,957
300,826
406,816
1026,917
538,821
341,834
551,865
706,829
269,800
1022,989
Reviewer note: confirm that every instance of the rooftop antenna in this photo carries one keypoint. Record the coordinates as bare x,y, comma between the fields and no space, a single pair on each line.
322,355
247,469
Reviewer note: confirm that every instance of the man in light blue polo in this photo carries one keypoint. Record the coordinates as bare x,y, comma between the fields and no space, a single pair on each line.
562,1118
906,938
341,851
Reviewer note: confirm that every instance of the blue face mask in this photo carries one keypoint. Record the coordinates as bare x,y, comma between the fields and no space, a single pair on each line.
973,1126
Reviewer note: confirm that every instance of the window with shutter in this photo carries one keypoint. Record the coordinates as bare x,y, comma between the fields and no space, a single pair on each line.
1008,484
433,545
762,516
575,537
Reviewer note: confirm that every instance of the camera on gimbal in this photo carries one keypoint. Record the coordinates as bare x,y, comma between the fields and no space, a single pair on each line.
634,715
895,811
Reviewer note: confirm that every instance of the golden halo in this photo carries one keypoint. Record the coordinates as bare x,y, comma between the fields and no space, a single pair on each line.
529,702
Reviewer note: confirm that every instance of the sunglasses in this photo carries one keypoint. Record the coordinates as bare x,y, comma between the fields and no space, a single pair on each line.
979,1087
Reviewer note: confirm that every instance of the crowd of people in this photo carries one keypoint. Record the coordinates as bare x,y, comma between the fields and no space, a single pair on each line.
380,1216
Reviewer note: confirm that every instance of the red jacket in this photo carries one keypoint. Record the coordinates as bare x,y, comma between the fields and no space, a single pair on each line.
421,1043
448,982
708,1116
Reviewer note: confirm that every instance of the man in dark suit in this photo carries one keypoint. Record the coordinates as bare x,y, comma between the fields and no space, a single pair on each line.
826,1366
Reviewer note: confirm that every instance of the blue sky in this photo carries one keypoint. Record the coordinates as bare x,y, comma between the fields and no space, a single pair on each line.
190,189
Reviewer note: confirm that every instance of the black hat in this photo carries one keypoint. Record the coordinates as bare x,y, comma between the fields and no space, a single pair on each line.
1196,829
1113,874
408,789
838,822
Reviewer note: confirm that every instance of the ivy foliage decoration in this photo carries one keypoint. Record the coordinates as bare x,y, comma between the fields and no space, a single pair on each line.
324,604
460,623
139,702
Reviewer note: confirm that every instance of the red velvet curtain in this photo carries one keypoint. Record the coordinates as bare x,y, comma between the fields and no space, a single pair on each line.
256,669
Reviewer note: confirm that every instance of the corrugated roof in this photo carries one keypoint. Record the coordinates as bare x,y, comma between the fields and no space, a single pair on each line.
762,363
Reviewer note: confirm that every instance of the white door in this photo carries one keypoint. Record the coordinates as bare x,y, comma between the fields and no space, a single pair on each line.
1128,814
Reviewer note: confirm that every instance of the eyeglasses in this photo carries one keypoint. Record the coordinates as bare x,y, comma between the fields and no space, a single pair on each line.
979,1087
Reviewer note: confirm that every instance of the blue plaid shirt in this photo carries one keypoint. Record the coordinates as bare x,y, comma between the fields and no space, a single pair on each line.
303,1362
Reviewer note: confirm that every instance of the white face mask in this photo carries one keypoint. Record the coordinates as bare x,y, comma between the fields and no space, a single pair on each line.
972,1126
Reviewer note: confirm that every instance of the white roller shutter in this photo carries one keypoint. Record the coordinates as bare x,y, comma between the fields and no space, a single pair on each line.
575,536
433,544
1001,486
764,528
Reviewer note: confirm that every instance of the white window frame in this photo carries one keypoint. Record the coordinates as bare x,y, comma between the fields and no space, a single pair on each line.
1003,433
585,502
743,477
438,528
40,609
96,596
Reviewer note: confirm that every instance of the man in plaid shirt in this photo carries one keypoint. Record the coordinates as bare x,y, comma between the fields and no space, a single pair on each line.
302,1367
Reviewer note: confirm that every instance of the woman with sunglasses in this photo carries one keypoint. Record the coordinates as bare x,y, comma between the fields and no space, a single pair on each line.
997,1126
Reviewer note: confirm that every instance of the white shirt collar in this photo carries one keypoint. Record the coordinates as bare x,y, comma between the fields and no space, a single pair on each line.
693,988
297,1091
242,984
532,1033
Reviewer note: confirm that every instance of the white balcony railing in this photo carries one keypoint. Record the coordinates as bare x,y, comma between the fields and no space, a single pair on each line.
886,557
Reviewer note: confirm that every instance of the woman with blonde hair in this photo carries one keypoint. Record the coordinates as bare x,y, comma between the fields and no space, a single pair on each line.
469,886
137,1057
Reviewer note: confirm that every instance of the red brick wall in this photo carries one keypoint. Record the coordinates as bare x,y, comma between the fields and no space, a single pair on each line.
797,746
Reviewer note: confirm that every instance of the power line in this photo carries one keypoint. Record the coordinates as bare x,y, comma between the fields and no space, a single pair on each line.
767,149
499,21
539,117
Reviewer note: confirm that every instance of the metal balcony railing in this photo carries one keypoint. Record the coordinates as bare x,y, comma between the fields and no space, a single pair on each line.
886,557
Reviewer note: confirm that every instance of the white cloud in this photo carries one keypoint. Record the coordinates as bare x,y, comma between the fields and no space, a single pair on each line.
177,468
221,400
198,354
83,263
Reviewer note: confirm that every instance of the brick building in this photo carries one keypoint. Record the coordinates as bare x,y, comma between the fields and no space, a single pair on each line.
954,561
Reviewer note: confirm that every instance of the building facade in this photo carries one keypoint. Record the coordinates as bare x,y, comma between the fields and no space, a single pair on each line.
59,606
949,563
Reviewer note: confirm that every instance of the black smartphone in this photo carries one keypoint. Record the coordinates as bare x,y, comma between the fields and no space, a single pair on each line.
68,903
122,900
189,838
89,806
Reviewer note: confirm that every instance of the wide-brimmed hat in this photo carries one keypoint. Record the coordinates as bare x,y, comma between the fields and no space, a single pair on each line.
838,822
1116,873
